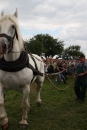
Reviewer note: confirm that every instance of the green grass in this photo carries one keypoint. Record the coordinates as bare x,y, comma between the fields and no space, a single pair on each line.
59,110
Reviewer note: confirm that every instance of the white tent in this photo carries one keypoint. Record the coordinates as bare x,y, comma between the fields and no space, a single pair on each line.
60,58
55,56
43,57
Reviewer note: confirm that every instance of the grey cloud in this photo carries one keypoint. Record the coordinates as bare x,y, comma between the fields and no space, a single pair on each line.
69,15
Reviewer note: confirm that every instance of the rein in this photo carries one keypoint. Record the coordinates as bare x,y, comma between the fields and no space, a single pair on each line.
47,75
57,87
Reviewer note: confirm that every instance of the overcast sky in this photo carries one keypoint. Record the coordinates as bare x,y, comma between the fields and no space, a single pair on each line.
63,19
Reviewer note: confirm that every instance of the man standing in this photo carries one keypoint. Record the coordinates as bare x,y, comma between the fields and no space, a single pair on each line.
81,79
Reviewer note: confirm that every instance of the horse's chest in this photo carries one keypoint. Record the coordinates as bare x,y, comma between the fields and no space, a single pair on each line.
15,80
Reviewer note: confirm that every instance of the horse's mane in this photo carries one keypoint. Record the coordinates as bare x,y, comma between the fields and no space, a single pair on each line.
15,21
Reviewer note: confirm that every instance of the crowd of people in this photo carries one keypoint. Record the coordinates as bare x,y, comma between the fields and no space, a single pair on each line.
65,68
62,68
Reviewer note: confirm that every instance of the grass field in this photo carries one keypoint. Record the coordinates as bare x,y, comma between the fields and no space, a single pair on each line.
59,110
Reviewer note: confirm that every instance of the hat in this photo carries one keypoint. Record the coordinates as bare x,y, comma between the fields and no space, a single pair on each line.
82,56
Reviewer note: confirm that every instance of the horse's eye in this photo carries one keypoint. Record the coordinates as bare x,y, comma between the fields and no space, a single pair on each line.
13,27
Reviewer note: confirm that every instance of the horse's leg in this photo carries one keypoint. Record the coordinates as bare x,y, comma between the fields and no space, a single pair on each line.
26,106
3,115
38,89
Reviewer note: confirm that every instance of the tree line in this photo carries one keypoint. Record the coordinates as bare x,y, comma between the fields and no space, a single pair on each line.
44,43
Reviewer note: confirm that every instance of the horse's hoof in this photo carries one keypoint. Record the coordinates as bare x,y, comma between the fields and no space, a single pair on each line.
5,127
39,103
23,126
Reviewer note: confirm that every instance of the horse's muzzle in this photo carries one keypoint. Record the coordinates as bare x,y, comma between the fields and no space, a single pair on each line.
3,46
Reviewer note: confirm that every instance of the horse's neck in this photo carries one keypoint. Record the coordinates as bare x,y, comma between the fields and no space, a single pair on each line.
14,55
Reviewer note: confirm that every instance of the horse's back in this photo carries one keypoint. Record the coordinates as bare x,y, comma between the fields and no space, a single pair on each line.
38,60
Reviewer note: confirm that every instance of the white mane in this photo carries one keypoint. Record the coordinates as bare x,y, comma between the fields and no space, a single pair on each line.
15,21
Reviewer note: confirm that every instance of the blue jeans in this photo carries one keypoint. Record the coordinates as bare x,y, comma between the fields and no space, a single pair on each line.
60,76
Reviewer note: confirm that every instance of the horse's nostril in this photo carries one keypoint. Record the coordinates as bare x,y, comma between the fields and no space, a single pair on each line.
4,47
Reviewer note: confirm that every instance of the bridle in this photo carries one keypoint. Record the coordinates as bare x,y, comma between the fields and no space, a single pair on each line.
10,39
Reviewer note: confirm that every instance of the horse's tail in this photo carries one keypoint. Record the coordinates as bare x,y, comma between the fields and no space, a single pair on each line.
33,87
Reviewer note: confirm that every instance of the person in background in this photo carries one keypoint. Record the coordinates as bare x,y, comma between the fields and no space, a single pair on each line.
46,67
80,77
60,76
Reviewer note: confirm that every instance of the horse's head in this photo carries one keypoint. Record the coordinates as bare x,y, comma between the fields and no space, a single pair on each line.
9,32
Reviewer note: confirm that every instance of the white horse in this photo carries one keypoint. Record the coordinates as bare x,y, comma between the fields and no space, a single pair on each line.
13,76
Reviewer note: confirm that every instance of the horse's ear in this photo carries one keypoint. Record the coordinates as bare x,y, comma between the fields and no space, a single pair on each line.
16,13
2,13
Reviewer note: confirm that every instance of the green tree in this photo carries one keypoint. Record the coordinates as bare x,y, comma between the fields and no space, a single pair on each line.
73,50
44,43
33,46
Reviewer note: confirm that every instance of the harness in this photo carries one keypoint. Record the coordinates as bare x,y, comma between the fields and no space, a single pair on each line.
10,39
19,64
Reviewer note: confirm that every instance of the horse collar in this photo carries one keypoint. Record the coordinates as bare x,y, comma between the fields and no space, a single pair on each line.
14,66
19,64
